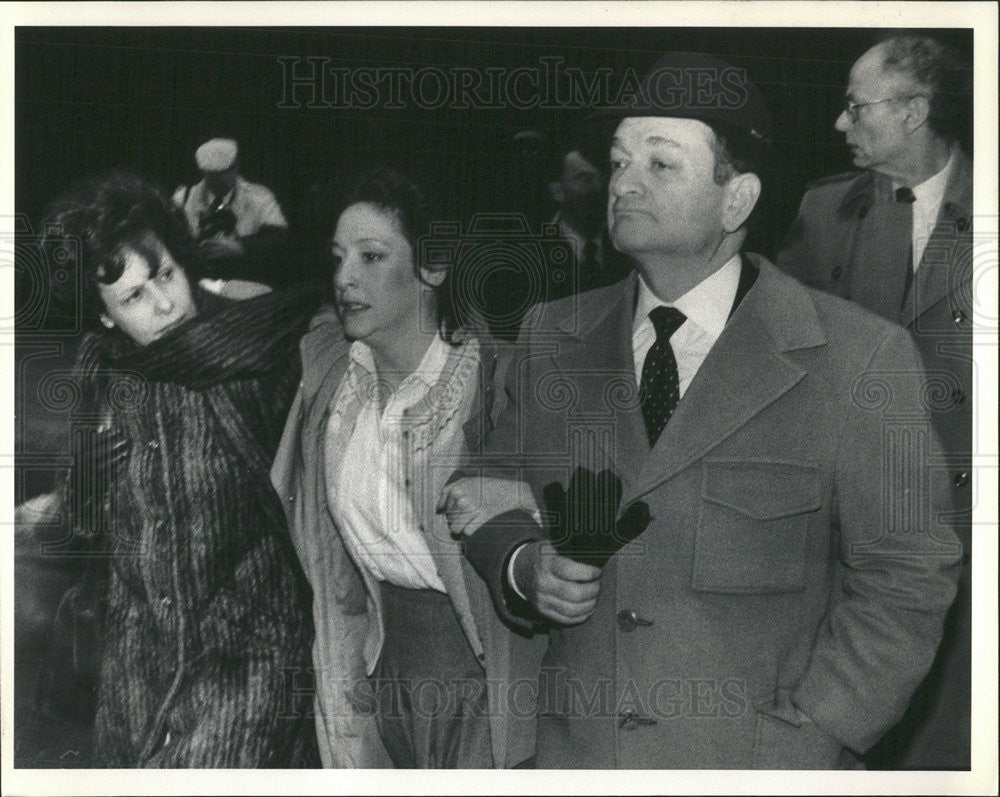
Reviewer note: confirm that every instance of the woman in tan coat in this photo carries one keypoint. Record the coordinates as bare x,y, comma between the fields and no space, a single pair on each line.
412,664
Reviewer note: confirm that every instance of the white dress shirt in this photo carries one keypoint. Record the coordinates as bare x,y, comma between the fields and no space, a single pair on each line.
706,306
370,503
928,197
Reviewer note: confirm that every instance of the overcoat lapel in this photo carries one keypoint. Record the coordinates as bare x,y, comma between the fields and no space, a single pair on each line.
744,373
598,362
946,265
882,251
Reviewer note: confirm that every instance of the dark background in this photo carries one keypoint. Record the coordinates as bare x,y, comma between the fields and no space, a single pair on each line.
92,99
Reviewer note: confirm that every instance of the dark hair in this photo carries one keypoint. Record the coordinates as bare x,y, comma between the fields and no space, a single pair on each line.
592,151
737,153
102,216
938,69
397,195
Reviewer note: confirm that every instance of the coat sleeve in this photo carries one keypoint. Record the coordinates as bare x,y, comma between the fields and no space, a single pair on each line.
283,470
898,554
500,457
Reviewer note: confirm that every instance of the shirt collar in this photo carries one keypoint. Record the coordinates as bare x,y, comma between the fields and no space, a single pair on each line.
707,304
227,200
931,191
427,373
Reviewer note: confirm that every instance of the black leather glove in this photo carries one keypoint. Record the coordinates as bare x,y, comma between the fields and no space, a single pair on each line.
583,525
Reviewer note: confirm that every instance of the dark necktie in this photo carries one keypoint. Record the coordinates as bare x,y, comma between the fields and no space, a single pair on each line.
905,195
659,388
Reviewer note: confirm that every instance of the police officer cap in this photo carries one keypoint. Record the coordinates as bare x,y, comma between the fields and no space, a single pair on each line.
216,155
702,87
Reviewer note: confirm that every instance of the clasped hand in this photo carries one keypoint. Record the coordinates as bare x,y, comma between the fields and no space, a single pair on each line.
560,589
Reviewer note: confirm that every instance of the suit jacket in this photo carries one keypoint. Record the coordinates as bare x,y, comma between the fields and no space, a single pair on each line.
346,599
796,555
851,239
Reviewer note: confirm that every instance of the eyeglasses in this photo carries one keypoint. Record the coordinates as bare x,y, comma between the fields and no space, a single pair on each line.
851,108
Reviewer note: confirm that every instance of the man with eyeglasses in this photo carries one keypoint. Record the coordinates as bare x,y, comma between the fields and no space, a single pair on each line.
896,237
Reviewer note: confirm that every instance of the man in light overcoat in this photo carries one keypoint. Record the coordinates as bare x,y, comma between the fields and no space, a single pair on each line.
774,583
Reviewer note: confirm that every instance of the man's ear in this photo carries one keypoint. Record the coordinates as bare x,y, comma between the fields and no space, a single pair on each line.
918,109
742,193
107,321
433,277
557,192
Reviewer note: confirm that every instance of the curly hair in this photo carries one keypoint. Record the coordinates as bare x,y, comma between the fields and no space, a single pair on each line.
104,215
397,195
936,68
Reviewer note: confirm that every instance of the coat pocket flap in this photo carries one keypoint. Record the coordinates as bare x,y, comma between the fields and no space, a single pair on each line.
762,489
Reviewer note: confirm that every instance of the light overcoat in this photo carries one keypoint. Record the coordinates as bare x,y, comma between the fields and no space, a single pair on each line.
796,554
347,609
852,239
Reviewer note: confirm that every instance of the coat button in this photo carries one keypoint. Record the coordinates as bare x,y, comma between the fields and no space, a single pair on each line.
958,318
628,621
957,396
962,224
836,273
962,479
629,720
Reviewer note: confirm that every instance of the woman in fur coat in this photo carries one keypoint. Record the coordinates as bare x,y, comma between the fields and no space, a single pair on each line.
207,631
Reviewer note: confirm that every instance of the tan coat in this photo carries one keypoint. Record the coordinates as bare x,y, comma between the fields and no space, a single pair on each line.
850,239
795,556
347,604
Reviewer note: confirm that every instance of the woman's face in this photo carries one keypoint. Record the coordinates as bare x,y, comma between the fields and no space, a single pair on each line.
378,294
151,298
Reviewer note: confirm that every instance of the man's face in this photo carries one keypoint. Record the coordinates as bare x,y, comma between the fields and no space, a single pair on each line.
221,183
580,192
877,137
662,198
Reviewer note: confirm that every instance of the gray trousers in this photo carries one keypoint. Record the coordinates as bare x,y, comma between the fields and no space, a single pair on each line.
430,688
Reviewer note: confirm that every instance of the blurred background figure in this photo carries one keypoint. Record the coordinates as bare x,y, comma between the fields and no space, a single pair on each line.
577,186
527,153
239,226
